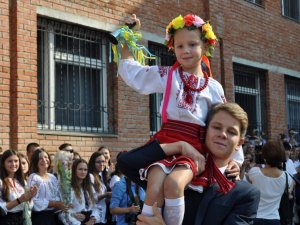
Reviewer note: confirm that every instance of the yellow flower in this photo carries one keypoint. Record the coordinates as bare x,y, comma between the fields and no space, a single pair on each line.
210,35
169,26
206,27
178,22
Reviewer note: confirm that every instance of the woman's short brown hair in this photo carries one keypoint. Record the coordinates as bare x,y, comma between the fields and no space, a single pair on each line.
273,153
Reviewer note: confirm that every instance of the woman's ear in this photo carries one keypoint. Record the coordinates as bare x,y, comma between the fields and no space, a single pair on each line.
241,142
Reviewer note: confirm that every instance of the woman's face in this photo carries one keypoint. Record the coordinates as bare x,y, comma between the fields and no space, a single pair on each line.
81,171
100,163
11,165
24,165
106,154
44,161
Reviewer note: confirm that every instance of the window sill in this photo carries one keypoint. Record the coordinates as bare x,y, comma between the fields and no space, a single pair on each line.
256,4
290,18
75,134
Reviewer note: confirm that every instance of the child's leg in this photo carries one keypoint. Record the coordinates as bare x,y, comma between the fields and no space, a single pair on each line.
174,186
154,193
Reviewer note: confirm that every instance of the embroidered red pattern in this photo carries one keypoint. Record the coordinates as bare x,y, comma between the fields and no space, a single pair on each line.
163,70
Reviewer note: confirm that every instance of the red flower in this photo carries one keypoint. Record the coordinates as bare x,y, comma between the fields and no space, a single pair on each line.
189,20
212,41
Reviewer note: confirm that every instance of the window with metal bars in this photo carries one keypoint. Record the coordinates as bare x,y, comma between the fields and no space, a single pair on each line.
291,9
257,2
292,90
163,58
249,86
75,79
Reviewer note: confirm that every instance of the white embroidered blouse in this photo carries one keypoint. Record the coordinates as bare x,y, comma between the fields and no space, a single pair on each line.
48,190
80,205
15,192
184,105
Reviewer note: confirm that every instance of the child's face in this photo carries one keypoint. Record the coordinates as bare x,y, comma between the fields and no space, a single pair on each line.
188,48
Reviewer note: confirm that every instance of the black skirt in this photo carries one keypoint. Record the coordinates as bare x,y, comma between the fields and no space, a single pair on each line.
46,217
11,218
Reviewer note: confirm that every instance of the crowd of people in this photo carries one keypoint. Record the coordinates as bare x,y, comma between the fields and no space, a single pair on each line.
30,189
101,194
263,166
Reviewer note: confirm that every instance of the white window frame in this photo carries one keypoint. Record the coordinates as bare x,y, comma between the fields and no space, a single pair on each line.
52,57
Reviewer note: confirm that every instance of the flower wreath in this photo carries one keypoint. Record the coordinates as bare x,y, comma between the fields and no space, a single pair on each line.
191,22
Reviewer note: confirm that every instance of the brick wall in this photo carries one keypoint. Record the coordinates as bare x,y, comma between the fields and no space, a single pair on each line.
4,74
262,35
276,111
245,30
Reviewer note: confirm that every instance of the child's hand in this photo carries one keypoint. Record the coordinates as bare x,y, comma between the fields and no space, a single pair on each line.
134,19
233,171
189,151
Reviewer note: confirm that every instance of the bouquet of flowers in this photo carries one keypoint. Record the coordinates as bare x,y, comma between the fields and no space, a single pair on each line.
62,165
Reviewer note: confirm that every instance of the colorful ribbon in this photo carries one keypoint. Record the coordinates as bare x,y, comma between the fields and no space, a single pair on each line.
129,37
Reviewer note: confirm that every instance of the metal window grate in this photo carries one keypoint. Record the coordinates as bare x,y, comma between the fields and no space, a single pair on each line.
292,86
163,58
75,79
249,85
257,2
291,9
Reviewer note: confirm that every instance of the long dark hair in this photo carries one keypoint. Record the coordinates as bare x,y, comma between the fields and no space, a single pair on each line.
105,147
93,170
34,163
22,156
4,175
86,184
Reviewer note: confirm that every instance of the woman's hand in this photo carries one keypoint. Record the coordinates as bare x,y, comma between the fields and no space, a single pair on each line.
108,194
134,209
28,195
233,170
33,191
79,216
91,221
156,219
58,205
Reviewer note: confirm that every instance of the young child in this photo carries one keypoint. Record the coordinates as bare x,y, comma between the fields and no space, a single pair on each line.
189,93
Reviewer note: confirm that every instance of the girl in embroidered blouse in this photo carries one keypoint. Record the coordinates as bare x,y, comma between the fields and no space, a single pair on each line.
47,201
97,164
189,93
12,189
84,211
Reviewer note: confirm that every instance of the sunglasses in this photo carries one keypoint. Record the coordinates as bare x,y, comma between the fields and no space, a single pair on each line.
69,150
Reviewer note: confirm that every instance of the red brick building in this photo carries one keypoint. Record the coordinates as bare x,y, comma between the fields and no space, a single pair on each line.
58,82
